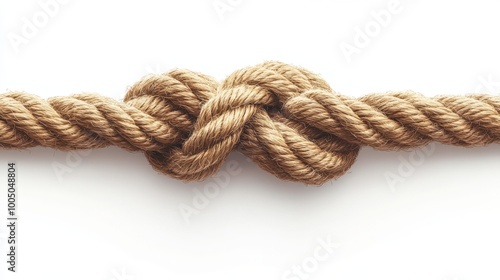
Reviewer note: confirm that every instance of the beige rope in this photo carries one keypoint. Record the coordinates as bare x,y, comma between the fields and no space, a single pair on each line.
285,118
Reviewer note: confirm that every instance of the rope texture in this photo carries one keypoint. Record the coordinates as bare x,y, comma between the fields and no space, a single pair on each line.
283,117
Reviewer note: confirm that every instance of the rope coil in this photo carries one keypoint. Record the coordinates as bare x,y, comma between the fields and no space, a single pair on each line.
285,118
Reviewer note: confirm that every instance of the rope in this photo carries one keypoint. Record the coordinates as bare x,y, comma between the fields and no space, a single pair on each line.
285,118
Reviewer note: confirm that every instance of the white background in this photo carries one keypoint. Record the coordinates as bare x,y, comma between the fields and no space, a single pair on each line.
110,216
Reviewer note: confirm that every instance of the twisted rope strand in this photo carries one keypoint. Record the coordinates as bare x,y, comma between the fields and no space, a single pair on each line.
283,117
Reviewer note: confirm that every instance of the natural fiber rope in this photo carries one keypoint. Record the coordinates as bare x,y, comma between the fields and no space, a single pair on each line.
285,118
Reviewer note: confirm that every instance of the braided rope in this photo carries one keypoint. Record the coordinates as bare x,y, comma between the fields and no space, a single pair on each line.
285,118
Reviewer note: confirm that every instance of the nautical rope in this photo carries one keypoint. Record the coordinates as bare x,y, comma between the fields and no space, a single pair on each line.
283,117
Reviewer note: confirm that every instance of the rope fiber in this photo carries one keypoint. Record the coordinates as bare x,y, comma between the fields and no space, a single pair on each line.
285,118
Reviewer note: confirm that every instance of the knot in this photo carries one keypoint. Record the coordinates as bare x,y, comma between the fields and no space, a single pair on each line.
249,111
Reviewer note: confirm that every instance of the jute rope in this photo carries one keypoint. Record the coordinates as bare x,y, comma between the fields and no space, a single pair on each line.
285,118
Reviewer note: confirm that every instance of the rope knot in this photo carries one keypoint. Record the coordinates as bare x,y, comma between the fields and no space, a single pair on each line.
248,111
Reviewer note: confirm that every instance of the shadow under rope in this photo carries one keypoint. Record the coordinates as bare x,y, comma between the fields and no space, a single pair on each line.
369,163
